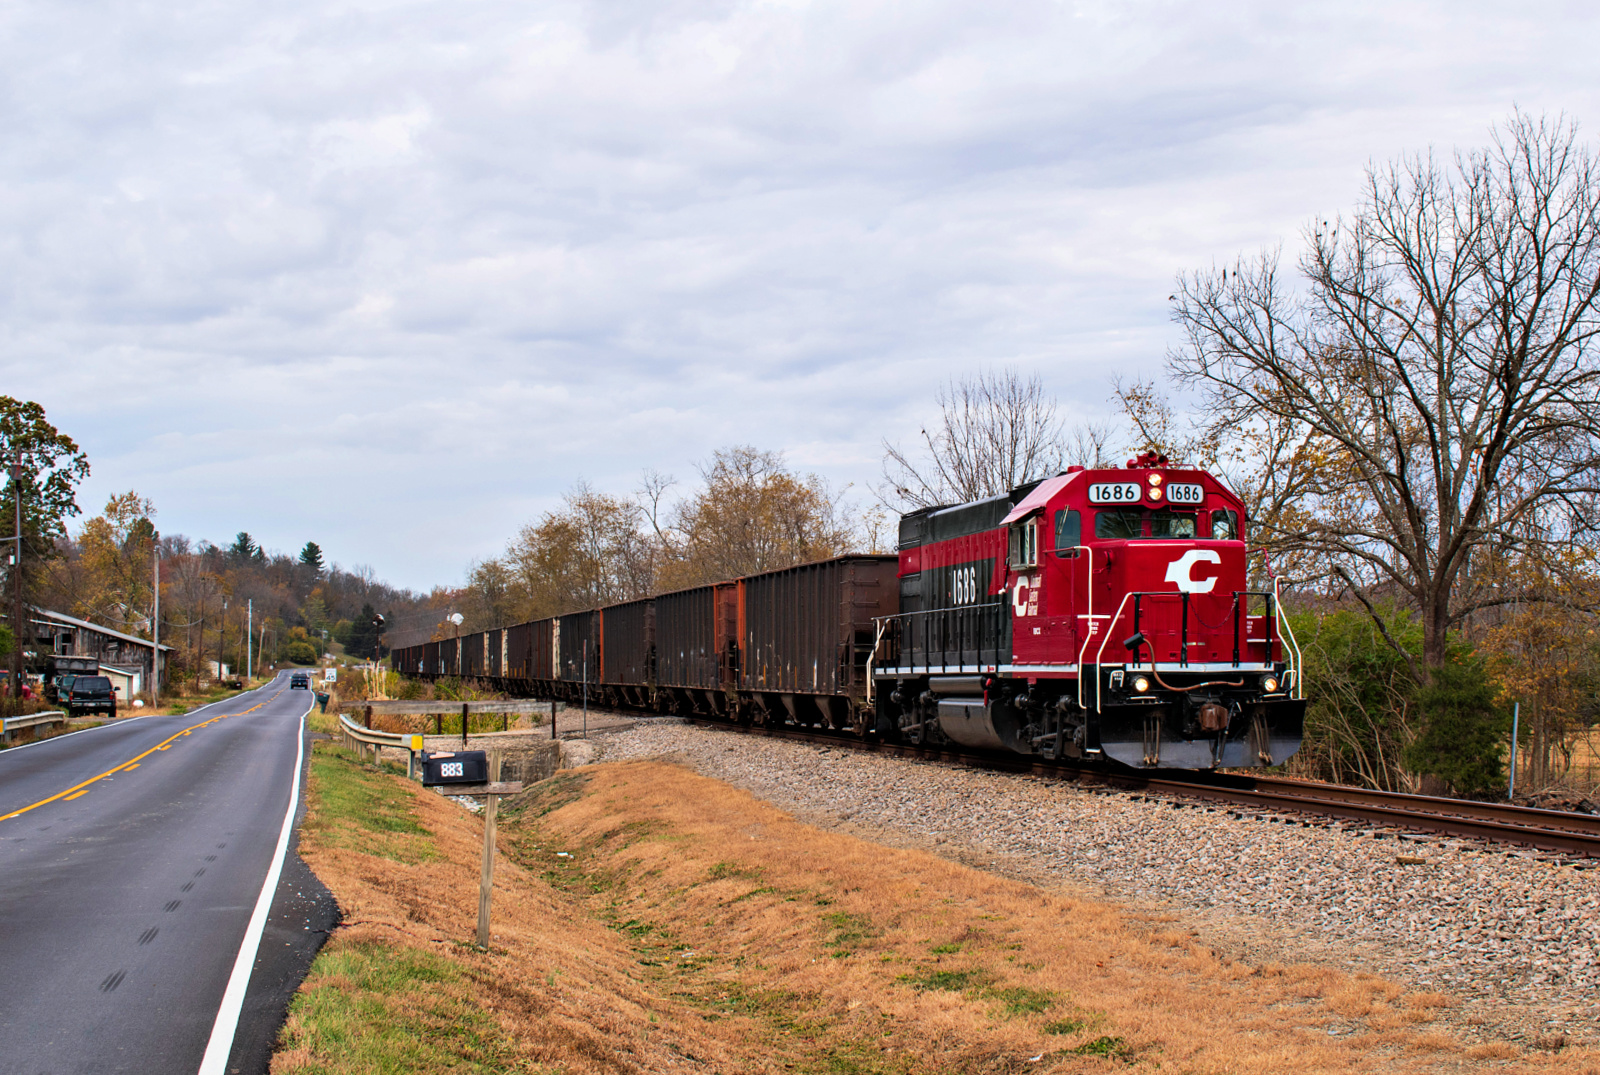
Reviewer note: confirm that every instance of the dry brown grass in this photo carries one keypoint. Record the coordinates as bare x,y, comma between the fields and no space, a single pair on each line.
690,926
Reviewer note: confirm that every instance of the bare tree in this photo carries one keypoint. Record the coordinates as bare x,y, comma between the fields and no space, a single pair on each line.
1437,370
753,514
997,430
1090,446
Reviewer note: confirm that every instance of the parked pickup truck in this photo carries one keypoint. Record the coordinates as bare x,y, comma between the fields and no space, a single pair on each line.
62,671
89,694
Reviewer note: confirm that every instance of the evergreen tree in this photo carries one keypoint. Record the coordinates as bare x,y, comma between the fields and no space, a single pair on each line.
1465,733
244,548
311,557
363,635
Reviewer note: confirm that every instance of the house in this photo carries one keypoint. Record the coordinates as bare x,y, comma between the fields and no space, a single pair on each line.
132,662
128,682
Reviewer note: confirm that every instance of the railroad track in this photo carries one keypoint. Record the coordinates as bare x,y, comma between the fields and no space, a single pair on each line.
1569,834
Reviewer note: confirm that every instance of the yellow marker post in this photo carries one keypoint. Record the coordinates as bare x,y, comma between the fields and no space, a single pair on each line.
411,758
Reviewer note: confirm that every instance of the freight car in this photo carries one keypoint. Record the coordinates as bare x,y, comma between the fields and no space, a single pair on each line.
1098,614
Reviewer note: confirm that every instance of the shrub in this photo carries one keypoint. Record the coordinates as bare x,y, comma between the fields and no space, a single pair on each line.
300,653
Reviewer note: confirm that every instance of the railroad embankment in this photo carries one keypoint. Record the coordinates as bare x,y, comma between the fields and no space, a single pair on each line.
649,919
1510,936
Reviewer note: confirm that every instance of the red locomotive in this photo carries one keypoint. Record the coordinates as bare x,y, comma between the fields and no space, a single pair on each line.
1095,614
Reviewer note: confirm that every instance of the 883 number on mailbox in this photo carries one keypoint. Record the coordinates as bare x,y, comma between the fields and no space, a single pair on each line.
455,767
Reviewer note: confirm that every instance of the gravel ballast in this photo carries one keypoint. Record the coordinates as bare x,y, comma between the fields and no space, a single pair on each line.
1512,934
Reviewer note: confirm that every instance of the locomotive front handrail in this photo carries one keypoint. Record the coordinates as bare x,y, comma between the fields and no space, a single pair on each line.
1100,654
1299,691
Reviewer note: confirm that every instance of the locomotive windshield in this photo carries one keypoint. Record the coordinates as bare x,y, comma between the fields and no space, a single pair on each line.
1119,525
1172,524
1225,526
1130,524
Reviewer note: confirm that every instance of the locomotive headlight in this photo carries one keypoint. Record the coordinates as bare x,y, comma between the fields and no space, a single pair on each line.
1155,479
1269,685
1141,684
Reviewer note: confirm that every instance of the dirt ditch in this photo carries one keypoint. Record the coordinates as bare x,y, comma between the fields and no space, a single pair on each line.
648,919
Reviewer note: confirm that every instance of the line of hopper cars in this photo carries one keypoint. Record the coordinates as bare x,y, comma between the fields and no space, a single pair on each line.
1098,614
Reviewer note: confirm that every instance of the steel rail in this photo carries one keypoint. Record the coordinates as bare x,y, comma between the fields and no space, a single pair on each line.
1526,816
1550,830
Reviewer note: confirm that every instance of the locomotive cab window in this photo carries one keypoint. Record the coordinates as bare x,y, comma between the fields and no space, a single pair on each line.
1024,544
1172,524
1225,526
1069,532
1119,525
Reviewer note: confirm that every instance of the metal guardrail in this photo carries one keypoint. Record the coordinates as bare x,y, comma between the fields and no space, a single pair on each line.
354,734
30,720
359,734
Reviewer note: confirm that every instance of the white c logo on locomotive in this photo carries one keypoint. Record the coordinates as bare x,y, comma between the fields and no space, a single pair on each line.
1181,571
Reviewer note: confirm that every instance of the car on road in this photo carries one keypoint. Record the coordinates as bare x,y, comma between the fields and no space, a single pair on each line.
89,694
300,681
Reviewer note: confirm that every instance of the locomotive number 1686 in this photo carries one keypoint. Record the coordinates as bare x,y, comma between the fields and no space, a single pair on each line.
1114,493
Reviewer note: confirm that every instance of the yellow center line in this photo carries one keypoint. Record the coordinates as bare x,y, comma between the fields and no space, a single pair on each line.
132,763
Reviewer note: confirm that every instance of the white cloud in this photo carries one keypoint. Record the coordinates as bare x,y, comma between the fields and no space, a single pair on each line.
391,276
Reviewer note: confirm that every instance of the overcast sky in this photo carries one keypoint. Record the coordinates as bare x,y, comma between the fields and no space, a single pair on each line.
392,276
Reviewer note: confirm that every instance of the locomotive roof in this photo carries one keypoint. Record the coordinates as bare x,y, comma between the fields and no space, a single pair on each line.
942,522
945,521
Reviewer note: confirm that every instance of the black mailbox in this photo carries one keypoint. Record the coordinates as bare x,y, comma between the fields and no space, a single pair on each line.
456,767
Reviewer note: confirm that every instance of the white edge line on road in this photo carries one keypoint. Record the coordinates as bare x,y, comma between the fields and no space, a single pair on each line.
215,1061
120,721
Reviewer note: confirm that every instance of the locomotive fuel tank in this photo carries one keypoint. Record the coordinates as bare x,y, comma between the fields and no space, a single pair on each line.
982,725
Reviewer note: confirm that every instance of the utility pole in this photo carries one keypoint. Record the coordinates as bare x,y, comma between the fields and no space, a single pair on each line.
155,624
18,628
249,626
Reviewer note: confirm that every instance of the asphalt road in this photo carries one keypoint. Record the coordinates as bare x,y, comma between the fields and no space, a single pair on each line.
133,858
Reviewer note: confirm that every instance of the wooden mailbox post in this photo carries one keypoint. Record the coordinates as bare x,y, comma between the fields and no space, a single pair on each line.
490,791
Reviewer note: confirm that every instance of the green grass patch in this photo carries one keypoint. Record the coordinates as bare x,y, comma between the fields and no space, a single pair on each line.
1018,1000
849,932
1065,1026
1106,1046
951,981
372,1007
352,799
945,949
761,891
722,871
